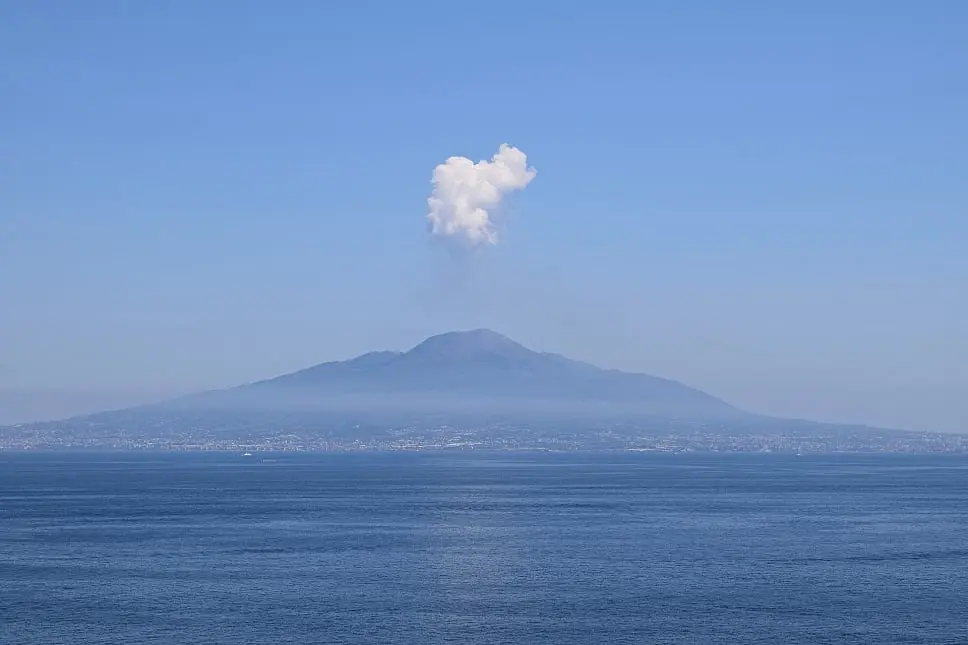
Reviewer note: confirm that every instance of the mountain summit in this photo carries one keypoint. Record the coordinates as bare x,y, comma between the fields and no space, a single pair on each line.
476,344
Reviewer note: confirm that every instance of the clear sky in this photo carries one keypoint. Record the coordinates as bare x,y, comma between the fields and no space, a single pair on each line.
766,200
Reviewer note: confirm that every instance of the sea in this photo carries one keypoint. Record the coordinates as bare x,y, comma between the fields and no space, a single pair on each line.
474,548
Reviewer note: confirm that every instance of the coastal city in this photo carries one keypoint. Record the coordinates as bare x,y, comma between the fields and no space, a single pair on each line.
80,436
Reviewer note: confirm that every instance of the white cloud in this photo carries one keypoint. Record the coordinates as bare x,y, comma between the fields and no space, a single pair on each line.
466,194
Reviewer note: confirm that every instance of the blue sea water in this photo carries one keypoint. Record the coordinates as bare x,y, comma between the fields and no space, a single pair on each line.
482,548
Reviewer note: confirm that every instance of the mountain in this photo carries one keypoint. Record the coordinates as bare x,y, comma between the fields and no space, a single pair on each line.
460,389
468,371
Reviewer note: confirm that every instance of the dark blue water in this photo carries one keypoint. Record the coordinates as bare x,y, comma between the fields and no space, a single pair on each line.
630,548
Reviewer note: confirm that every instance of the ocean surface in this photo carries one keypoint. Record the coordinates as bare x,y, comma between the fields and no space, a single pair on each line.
482,548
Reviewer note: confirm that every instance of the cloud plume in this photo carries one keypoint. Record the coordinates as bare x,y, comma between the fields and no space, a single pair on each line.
466,194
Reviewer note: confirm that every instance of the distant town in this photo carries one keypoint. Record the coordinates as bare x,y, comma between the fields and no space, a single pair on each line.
85,435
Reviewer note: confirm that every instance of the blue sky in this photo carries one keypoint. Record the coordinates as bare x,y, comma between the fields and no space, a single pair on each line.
766,201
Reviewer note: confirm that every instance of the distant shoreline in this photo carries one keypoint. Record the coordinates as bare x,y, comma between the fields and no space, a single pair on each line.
257,453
